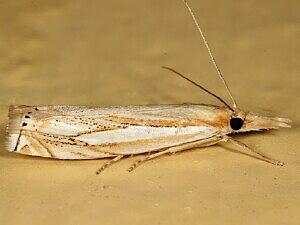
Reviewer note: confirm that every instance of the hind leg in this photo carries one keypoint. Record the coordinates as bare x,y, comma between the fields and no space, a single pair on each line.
109,163
199,143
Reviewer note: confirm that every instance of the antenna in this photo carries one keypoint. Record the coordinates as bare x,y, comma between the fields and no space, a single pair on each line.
198,85
209,52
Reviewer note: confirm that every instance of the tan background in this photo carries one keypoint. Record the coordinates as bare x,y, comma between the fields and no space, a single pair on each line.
111,53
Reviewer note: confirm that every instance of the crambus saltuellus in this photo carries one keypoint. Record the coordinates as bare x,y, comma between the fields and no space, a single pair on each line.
75,132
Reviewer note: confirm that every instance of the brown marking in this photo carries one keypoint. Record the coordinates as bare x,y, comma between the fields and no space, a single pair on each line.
35,145
58,139
102,128
108,146
72,141
69,149
46,148
44,140
66,149
220,121
112,147
66,141
95,127
25,150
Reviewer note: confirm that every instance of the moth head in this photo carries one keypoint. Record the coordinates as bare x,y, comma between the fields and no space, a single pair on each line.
244,122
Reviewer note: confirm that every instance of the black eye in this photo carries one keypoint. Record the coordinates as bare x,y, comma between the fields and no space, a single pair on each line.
236,123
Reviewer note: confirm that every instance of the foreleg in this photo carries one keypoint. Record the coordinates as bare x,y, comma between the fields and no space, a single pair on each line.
253,152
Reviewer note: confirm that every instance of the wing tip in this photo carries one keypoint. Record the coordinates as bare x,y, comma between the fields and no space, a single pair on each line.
16,114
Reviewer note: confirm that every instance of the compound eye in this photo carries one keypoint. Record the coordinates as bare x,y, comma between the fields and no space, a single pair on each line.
236,123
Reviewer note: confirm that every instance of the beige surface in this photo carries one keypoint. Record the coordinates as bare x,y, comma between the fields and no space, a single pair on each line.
110,53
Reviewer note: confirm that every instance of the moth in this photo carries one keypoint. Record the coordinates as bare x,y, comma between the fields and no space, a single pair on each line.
79,132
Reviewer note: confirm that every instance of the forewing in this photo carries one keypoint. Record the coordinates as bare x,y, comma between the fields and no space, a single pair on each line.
80,132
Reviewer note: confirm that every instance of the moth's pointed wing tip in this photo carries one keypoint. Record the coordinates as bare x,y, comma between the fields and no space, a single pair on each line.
16,114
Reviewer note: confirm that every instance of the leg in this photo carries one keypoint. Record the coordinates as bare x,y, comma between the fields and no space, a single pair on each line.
109,163
254,153
185,146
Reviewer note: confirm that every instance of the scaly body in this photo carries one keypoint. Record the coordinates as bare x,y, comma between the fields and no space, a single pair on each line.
78,132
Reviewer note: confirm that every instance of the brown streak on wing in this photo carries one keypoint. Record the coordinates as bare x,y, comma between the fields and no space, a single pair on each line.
97,148
94,126
141,143
221,121
35,146
45,147
99,129
44,141
25,150
67,141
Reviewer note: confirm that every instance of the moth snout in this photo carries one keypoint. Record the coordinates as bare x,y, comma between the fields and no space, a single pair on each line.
256,122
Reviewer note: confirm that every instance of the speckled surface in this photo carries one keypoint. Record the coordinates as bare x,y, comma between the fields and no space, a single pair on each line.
111,53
